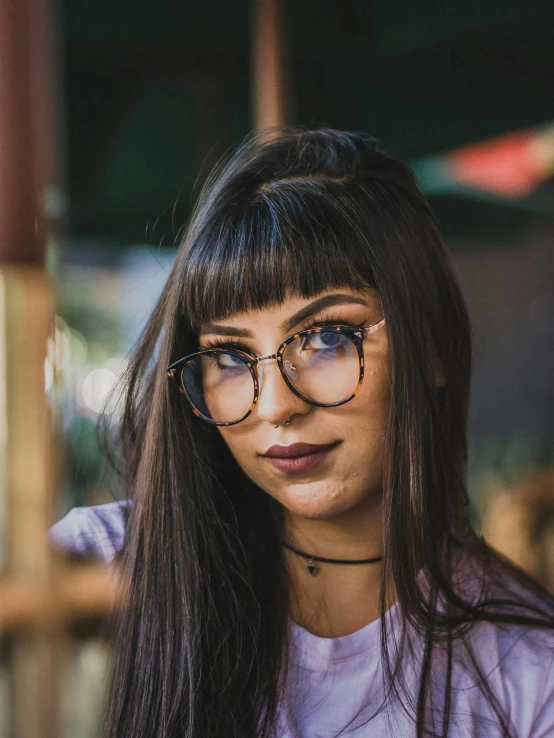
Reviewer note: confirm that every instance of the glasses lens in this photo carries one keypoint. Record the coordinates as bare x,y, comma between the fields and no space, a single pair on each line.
219,385
323,366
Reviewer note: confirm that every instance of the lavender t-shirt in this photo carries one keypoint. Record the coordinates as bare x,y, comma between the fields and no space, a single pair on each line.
330,679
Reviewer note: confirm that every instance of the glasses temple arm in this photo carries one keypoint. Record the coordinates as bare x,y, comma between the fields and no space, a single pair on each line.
375,327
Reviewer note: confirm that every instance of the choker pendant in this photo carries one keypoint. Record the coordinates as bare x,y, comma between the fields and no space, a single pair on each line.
312,567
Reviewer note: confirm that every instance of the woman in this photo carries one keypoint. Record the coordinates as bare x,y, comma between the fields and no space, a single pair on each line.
297,545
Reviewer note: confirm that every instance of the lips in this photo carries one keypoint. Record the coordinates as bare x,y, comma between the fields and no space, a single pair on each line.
299,458
297,449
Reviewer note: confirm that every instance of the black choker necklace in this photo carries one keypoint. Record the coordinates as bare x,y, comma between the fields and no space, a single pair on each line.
313,568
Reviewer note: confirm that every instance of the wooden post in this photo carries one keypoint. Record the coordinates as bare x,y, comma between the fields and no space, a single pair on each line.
269,65
40,595
26,316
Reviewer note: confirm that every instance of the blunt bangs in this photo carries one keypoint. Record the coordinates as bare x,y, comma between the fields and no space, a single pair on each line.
297,237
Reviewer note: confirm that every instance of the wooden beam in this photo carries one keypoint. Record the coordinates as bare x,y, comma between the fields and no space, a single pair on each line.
77,592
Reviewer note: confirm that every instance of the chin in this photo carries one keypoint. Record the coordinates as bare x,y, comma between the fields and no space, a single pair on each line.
309,502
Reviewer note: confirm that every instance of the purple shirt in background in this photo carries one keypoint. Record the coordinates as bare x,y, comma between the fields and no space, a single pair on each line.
91,531
330,679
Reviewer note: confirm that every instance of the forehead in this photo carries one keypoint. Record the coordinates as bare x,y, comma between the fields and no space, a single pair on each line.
295,308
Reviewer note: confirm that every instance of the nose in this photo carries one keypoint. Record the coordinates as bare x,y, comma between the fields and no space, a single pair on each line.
276,401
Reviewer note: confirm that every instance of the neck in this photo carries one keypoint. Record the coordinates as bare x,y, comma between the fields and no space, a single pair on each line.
339,599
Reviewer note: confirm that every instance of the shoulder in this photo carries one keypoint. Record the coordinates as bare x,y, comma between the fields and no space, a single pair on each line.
97,531
518,664
514,660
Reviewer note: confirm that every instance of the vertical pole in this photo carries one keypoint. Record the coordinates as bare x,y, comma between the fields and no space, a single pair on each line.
17,178
26,317
269,65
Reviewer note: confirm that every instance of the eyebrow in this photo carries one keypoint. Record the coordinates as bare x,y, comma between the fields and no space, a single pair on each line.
306,312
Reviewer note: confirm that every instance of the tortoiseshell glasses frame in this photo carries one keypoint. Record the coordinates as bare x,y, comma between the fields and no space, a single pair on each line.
355,334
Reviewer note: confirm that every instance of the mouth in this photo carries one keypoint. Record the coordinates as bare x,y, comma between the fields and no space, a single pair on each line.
299,457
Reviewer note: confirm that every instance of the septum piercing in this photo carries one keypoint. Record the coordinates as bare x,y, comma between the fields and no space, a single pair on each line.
276,425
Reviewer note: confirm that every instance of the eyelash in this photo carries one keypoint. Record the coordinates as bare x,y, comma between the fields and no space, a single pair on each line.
327,319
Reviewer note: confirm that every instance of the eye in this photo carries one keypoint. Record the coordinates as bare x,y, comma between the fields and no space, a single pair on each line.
326,340
224,343
330,339
226,362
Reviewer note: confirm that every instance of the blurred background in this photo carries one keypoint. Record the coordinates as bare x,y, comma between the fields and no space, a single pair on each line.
145,97
152,96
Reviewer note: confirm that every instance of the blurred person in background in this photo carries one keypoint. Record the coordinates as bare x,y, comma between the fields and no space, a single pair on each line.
295,543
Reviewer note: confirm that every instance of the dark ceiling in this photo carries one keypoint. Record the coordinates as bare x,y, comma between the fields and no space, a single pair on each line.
157,91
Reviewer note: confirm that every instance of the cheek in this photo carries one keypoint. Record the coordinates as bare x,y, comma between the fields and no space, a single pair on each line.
375,401
365,417
243,443
362,424
239,447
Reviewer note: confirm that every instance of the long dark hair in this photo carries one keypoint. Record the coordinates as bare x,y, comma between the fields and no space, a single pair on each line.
201,647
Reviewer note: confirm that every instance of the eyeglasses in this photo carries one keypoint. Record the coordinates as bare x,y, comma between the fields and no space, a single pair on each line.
323,365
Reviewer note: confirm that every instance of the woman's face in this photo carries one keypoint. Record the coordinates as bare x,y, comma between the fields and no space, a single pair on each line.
349,475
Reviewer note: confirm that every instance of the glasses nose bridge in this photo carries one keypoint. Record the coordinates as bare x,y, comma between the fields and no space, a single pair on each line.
259,367
257,360
269,356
